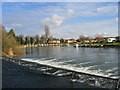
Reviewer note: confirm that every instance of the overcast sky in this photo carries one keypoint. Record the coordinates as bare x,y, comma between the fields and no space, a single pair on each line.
65,19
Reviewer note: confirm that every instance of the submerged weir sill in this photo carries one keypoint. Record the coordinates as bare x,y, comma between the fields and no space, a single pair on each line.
94,80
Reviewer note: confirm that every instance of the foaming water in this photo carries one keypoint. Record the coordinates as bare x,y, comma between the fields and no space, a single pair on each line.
70,67
70,71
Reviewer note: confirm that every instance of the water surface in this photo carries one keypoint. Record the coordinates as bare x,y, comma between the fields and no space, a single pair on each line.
96,61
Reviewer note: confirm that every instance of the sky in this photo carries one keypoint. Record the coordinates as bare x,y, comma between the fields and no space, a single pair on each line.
65,19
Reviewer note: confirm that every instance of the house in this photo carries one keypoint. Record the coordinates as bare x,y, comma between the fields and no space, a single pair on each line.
86,41
55,41
70,40
93,40
109,39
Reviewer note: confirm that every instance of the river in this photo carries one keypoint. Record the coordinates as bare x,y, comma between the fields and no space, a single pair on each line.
95,61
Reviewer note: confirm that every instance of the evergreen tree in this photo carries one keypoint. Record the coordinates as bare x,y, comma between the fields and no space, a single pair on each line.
61,40
21,40
27,40
11,32
32,40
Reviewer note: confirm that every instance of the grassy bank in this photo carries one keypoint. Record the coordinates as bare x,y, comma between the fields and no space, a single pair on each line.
101,44
98,44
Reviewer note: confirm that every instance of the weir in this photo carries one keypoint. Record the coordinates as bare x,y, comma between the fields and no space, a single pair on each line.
73,76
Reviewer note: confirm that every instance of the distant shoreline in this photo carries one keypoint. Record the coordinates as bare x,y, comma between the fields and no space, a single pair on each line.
74,45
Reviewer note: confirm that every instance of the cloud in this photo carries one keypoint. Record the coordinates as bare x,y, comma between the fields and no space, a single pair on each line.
116,19
102,34
70,11
56,19
65,19
16,25
104,27
108,9
99,9
94,9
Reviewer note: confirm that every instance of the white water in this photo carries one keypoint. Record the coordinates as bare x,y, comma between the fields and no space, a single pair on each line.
72,67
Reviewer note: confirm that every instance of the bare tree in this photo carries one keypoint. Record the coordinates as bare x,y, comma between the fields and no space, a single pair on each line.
37,39
47,33
42,39
98,37
83,38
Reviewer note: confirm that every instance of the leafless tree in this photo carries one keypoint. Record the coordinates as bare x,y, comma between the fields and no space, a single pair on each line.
98,37
47,33
83,38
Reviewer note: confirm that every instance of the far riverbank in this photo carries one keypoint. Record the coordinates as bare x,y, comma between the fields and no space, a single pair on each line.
117,44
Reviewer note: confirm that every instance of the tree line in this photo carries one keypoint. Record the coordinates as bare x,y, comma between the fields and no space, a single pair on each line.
32,40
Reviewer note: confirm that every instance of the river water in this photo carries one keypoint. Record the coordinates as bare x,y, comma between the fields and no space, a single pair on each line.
95,61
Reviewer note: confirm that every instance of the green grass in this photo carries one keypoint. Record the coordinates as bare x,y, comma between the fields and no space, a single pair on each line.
98,44
115,43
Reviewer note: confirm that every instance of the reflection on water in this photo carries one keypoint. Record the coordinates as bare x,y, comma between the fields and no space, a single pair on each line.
99,61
